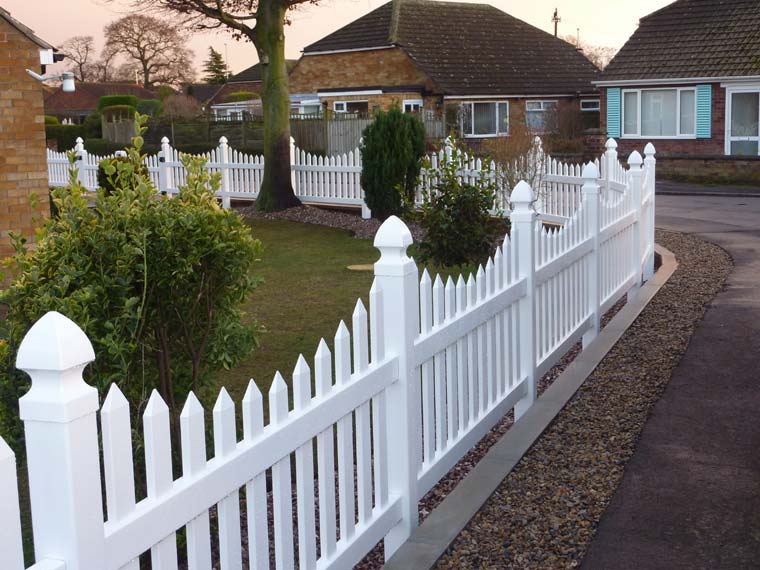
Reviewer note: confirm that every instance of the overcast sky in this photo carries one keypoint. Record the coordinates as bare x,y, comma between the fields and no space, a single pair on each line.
608,22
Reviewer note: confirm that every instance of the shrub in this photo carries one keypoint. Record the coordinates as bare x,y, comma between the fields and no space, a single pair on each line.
93,126
392,147
155,283
64,135
106,182
150,107
102,147
111,100
456,218
50,120
241,96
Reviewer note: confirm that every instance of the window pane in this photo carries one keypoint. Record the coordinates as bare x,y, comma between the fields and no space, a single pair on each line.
687,112
503,119
744,115
533,105
484,118
357,107
631,111
658,113
744,148
589,105
467,119
535,120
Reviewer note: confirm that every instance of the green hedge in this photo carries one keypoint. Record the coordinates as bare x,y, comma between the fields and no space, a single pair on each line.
123,111
93,126
101,147
150,107
65,135
241,96
111,100
50,120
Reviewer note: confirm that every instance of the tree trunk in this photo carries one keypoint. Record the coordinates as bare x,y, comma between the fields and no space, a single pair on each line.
276,191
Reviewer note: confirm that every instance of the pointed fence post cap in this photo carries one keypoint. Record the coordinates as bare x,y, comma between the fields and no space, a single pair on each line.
521,195
393,234
611,144
79,140
590,171
635,159
164,140
222,140
54,342
649,150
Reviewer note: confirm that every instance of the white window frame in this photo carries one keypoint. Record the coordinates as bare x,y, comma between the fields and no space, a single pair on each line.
469,104
345,104
638,134
419,102
546,105
750,88
596,109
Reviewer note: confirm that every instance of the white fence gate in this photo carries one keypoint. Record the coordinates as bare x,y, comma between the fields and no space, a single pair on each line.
336,179
400,398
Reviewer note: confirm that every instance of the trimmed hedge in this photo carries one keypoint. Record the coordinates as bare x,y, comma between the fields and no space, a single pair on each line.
93,126
50,120
123,111
112,100
150,107
64,135
241,96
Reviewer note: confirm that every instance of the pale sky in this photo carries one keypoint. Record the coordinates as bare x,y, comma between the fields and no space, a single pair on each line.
608,22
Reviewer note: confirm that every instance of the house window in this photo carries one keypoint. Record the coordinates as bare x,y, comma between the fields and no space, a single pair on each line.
351,107
590,113
662,113
539,115
590,105
485,119
413,105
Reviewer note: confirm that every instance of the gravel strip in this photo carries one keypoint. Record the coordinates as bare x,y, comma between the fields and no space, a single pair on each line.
545,513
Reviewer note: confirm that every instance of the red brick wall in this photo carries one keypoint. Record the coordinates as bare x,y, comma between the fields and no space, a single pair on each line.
704,147
23,162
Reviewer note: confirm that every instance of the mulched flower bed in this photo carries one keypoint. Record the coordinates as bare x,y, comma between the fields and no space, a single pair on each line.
545,513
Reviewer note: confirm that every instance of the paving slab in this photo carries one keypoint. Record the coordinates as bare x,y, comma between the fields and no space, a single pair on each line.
690,496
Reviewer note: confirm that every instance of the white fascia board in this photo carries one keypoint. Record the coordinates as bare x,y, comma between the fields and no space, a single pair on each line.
350,93
501,97
672,81
327,52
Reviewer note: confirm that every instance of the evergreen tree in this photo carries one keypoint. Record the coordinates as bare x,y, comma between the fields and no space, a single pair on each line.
215,68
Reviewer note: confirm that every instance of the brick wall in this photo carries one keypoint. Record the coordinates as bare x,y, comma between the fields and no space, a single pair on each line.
711,146
372,68
23,162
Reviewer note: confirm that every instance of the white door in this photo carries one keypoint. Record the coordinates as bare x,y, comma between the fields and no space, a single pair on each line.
743,137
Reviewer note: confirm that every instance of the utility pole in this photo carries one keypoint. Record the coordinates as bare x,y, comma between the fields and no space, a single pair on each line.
556,19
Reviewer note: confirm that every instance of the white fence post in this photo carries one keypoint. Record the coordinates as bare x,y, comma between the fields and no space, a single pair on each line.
224,159
164,156
590,197
293,153
397,279
650,163
634,187
523,219
610,164
62,444
81,162
11,549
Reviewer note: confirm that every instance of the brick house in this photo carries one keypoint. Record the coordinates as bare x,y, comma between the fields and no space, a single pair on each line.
23,163
688,80
75,106
480,67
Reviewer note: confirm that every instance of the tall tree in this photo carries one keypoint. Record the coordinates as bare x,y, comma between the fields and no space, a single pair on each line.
215,68
156,47
104,68
262,22
80,51
600,56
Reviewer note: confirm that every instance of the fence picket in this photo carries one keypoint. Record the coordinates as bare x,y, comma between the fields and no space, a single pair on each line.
345,438
428,395
362,415
281,482
440,371
379,410
325,456
307,547
228,509
256,489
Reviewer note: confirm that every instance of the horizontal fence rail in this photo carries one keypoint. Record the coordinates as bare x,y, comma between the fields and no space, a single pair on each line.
336,179
377,418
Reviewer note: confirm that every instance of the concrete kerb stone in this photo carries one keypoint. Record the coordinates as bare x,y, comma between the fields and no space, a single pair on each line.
431,539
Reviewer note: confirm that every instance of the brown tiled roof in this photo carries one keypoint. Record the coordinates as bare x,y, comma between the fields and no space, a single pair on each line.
692,38
253,73
471,49
86,96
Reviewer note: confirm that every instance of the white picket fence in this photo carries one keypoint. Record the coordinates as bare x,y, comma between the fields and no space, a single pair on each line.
418,380
336,179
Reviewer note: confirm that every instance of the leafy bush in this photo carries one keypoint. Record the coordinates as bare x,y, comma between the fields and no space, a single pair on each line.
150,107
106,182
392,147
50,120
64,135
155,283
102,147
456,219
93,126
111,100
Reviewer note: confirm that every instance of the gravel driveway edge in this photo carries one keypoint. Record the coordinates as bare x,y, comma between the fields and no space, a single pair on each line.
431,539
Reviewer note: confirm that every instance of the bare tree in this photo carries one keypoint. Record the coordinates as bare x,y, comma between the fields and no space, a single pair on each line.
155,46
262,22
600,56
105,67
80,51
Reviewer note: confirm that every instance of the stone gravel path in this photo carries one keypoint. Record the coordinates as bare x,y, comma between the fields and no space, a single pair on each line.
545,513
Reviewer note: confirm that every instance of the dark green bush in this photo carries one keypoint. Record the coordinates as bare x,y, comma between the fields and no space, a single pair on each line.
457,221
150,107
50,120
392,147
111,100
101,147
93,127
64,135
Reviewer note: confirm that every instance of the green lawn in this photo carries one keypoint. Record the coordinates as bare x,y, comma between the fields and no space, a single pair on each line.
307,290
